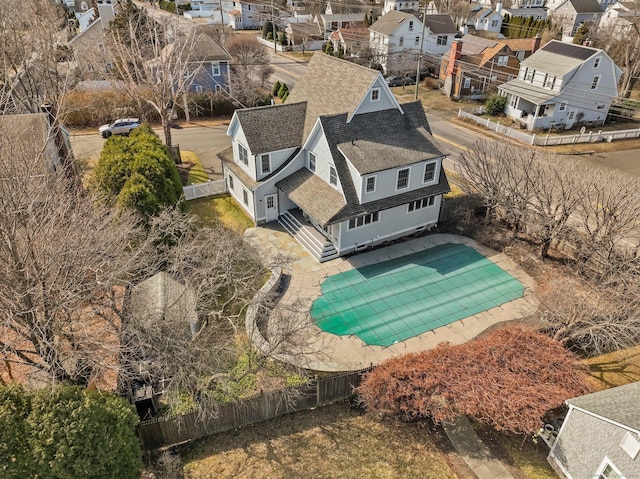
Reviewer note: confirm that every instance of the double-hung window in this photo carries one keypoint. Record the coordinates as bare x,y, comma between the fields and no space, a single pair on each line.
421,203
429,172
333,176
370,184
403,179
265,163
312,162
243,154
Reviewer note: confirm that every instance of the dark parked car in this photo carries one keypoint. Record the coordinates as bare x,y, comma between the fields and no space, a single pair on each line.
123,126
399,81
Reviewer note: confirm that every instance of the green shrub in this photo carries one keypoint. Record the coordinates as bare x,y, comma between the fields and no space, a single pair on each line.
67,432
283,89
285,96
276,88
495,105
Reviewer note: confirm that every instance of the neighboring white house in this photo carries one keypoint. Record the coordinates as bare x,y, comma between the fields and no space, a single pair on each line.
571,14
600,436
250,14
621,17
400,5
395,40
483,19
340,153
439,33
562,84
536,13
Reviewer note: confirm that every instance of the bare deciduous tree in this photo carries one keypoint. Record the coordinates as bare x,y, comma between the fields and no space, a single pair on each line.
250,69
151,60
31,45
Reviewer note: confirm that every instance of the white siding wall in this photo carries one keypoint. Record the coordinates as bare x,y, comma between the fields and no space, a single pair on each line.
236,193
239,137
276,159
394,223
319,146
430,43
385,100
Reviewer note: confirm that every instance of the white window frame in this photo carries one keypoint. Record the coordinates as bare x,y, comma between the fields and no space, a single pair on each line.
333,176
595,82
243,155
607,463
198,88
562,107
406,180
215,69
312,162
442,40
596,63
363,220
494,23
503,60
435,170
231,185
421,204
266,156
366,184
375,94
245,197
467,82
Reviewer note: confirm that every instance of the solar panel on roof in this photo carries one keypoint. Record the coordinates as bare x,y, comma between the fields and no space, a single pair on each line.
568,50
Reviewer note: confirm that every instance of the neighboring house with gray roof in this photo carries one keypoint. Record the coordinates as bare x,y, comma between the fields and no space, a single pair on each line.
600,436
562,85
571,14
395,40
343,154
208,63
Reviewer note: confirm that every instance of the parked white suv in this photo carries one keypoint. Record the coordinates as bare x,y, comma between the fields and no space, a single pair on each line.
123,126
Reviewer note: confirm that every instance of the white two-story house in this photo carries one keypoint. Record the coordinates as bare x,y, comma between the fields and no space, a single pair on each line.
395,40
342,155
562,85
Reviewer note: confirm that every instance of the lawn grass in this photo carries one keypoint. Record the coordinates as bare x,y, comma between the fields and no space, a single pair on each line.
330,442
219,210
196,172
614,369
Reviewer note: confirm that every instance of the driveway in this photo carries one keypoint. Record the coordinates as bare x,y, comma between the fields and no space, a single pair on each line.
309,347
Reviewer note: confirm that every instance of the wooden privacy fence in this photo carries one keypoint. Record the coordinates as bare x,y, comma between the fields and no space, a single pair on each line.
546,139
169,431
200,190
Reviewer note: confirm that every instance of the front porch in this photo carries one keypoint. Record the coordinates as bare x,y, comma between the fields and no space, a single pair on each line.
307,235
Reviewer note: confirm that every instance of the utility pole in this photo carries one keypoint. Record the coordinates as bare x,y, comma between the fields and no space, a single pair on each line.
273,26
424,18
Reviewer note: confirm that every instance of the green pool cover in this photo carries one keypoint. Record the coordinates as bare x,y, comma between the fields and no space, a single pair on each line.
395,300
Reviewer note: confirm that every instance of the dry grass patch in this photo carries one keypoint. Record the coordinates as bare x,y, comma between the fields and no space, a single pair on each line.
615,369
331,442
219,210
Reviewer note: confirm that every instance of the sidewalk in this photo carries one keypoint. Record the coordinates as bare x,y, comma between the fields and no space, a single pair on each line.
474,452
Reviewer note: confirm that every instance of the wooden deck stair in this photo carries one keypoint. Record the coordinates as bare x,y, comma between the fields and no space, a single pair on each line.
310,239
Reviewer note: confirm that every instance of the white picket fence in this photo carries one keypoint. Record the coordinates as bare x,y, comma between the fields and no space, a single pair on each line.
200,190
546,139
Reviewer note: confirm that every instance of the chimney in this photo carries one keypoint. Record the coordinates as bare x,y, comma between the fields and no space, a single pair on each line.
535,44
499,8
454,55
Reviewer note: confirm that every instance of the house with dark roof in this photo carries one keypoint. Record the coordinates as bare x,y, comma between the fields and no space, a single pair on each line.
208,62
600,436
474,66
571,14
250,14
483,19
341,164
562,85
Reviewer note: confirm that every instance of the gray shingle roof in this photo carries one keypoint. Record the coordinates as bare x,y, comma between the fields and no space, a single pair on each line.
226,157
440,24
331,86
367,127
383,141
533,93
305,189
620,404
273,128
206,49
557,58
391,21
586,6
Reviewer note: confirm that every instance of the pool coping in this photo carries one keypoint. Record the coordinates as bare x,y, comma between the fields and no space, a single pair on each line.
307,346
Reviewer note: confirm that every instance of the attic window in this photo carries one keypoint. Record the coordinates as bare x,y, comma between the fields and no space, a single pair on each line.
333,176
594,83
596,62
411,25
375,94
630,445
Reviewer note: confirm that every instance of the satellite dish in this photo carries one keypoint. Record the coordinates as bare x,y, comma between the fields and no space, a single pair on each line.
582,130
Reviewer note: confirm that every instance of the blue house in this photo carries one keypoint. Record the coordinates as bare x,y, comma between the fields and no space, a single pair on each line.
209,65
